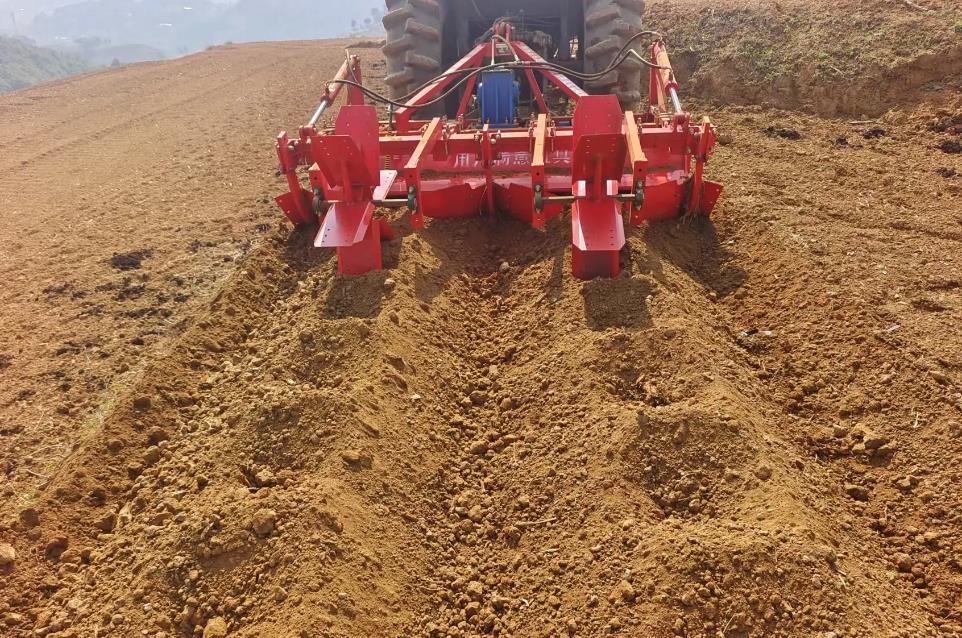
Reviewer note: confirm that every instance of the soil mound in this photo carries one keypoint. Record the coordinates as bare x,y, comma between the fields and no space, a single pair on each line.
849,58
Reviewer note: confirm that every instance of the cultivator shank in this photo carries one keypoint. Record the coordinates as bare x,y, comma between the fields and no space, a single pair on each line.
602,161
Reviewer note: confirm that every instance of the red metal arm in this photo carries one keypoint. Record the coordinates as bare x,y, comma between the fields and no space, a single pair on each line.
639,164
538,182
296,202
403,115
663,86
412,170
563,82
350,70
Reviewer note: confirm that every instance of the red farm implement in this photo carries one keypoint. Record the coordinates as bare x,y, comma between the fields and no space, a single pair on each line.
488,158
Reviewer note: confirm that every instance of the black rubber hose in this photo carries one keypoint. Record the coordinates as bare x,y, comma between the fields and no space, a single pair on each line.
543,66
619,60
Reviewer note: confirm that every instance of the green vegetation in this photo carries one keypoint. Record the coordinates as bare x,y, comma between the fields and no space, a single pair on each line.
23,64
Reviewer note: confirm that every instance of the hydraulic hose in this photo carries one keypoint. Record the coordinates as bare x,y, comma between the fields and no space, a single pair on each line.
620,59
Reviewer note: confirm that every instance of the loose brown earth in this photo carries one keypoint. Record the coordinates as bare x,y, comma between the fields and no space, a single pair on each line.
754,432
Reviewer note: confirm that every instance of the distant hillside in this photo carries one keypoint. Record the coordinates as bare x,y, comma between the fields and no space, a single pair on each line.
102,52
23,64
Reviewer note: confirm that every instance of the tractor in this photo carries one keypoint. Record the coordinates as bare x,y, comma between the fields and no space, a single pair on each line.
424,37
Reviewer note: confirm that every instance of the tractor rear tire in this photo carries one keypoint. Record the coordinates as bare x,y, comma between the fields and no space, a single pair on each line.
413,45
608,26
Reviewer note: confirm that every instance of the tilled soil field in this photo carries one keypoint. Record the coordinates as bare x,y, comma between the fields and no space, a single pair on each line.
755,431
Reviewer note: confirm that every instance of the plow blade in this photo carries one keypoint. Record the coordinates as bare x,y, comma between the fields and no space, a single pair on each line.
598,235
295,206
356,235
709,197
345,225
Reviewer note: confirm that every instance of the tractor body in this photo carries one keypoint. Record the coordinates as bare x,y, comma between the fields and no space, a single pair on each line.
424,37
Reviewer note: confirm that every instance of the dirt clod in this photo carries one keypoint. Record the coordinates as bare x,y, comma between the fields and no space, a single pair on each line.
357,459
784,133
953,147
56,547
156,435
763,471
478,448
857,492
216,628
623,592
7,555
131,260
475,590
264,522
875,441
903,561
107,522
29,517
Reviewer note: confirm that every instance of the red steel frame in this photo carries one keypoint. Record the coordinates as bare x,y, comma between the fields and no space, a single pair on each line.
602,161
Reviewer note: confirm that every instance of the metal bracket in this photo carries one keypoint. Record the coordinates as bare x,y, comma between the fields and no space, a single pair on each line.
412,170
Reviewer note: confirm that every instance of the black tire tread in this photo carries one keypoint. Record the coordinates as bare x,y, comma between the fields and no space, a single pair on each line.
608,25
412,48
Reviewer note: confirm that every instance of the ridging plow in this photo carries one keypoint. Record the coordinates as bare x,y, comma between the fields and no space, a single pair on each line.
489,157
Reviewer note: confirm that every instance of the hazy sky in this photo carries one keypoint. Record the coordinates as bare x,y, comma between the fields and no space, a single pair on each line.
24,10
164,24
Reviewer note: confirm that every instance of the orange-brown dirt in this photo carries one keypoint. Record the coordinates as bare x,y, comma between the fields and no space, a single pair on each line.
831,58
755,431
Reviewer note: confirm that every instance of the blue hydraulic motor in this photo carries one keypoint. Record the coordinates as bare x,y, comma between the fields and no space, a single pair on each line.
498,95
